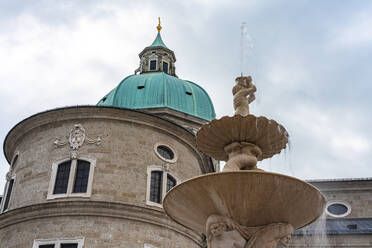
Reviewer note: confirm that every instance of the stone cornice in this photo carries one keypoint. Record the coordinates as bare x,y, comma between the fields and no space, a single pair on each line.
93,112
98,209
343,185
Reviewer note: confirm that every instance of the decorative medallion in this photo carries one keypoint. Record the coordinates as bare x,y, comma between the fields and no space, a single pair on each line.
77,136
76,139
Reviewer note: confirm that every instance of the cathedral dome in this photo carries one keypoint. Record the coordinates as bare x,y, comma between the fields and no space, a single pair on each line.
159,90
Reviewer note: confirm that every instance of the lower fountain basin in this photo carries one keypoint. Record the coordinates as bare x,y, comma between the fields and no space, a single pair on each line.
251,198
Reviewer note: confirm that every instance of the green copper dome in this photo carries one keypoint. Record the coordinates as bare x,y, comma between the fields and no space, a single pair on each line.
158,90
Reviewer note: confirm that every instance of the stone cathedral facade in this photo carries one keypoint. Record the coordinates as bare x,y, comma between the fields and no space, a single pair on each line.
95,176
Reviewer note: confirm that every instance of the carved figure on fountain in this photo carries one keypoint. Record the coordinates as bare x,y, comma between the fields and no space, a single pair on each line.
242,156
227,138
244,88
224,232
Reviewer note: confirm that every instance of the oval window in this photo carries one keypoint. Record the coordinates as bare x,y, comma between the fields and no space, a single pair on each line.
165,152
338,209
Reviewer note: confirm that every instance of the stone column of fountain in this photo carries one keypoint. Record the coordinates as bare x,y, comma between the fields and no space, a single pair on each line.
243,206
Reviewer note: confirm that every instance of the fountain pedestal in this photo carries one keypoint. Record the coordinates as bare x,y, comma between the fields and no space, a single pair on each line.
243,206
242,156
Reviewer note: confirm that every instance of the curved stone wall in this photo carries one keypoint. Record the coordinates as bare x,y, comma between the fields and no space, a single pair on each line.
99,224
121,144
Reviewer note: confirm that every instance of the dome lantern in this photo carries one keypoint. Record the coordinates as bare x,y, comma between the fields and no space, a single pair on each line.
157,57
155,88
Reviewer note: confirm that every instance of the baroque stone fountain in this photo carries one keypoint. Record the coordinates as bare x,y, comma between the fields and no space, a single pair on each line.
243,206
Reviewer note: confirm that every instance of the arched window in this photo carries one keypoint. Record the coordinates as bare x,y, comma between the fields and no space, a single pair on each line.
14,161
71,178
171,182
59,243
7,194
159,182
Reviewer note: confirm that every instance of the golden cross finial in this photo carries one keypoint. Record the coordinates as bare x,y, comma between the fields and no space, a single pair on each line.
158,27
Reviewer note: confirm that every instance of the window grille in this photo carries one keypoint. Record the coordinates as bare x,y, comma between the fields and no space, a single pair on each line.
171,182
71,178
81,176
156,186
69,245
59,243
165,67
159,182
15,160
153,65
8,194
165,152
63,174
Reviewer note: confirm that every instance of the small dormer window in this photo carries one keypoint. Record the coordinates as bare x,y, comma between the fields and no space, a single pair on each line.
165,67
153,65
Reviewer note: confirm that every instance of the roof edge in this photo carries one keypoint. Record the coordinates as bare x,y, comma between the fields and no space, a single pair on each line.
339,180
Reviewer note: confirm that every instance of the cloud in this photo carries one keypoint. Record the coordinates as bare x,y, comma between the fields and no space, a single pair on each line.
56,53
46,65
44,58
327,142
355,32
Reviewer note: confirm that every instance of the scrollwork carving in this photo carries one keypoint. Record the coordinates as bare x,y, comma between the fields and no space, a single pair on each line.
58,143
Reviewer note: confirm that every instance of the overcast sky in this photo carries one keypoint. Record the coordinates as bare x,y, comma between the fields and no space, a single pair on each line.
311,62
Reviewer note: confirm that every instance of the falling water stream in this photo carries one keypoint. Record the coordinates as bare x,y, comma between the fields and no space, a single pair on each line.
313,235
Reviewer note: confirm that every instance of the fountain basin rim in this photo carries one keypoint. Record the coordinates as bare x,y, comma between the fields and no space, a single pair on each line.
311,216
270,136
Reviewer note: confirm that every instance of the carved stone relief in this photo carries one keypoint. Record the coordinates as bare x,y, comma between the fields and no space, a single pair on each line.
223,232
76,139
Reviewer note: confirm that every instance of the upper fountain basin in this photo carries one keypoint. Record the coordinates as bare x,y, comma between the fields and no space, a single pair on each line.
268,135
